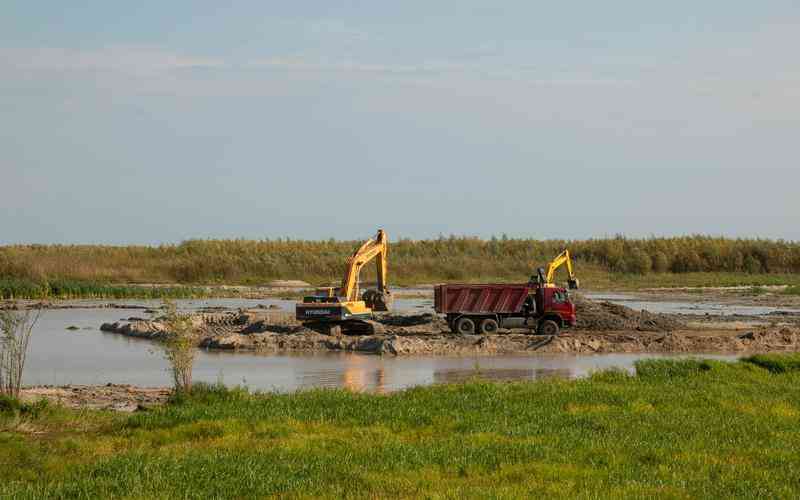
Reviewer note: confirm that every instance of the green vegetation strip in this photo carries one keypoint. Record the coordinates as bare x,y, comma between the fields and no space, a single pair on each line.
602,263
68,289
678,429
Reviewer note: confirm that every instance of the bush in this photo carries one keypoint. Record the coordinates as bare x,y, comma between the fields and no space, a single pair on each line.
180,346
9,404
16,328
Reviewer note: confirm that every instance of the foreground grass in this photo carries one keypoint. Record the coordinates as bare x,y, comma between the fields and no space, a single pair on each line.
678,429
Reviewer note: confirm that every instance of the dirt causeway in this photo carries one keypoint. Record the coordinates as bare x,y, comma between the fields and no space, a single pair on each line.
602,327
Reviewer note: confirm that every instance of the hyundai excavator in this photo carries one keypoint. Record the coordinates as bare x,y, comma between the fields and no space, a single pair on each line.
342,310
561,259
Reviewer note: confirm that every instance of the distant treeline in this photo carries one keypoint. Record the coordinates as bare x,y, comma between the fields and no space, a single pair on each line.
443,259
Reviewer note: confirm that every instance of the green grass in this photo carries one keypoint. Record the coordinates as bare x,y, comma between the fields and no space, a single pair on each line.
792,290
678,429
68,289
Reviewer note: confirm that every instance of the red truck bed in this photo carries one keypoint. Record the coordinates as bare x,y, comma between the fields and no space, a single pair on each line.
495,299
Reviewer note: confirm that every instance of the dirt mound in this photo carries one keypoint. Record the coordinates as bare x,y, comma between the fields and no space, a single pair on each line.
606,316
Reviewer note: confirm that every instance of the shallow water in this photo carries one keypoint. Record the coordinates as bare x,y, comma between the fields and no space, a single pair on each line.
59,356
696,308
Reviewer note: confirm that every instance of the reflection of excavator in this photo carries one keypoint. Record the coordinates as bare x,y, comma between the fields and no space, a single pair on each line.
336,309
560,260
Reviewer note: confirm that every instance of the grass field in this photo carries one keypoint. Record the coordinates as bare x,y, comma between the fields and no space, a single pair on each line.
58,271
678,429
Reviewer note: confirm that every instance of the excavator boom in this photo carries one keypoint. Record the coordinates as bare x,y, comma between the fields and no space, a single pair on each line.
377,249
562,258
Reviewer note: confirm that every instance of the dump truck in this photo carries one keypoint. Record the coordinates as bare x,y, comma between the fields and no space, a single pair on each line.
487,307
538,305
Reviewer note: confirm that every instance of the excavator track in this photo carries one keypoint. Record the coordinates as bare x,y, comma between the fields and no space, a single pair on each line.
351,327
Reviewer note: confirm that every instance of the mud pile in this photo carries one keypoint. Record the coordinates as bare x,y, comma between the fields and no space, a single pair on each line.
606,316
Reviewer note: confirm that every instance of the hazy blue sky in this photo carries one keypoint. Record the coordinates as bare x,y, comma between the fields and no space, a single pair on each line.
149,122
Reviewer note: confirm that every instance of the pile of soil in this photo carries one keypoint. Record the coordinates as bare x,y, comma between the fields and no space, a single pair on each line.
606,316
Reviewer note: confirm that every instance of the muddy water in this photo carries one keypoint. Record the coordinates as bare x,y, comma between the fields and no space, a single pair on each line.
59,356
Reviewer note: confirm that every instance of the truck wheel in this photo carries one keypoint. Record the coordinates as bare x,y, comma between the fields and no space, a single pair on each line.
548,327
488,326
465,326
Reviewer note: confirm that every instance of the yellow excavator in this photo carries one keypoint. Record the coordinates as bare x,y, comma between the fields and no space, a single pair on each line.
546,280
341,310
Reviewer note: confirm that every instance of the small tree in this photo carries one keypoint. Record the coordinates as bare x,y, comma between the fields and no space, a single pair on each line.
15,334
180,346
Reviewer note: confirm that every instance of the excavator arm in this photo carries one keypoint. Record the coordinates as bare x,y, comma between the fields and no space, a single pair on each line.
378,249
562,258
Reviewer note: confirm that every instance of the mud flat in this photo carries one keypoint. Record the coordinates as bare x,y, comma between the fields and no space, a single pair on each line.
118,397
603,327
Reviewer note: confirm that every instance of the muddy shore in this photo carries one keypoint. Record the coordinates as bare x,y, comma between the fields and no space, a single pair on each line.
117,397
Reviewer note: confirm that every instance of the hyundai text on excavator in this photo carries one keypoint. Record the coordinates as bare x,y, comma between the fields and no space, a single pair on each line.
538,305
342,310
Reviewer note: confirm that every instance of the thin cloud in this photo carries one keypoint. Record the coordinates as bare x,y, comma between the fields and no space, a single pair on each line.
126,59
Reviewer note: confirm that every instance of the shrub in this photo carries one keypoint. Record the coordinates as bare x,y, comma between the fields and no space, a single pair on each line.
15,333
180,346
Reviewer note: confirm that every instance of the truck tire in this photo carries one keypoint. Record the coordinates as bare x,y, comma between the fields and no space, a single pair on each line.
548,327
488,326
465,326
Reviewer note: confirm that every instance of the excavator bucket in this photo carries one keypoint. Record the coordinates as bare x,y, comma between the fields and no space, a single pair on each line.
573,284
378,301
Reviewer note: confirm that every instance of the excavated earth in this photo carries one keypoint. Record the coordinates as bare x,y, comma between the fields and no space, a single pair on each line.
602,327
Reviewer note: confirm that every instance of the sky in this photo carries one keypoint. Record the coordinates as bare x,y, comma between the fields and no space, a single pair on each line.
154,122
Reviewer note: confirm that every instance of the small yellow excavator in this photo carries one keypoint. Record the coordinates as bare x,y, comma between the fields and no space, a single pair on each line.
342,310
561,259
